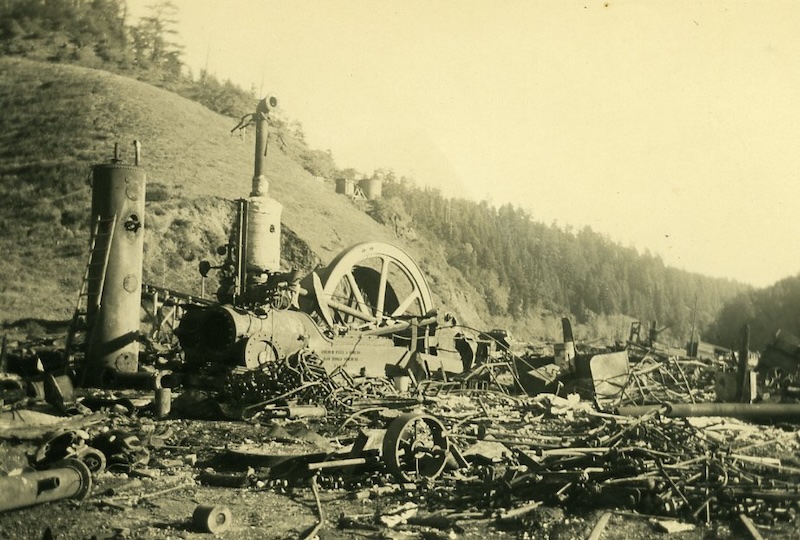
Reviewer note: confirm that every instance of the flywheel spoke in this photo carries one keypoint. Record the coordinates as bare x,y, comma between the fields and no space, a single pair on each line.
381,303
406,303
355,290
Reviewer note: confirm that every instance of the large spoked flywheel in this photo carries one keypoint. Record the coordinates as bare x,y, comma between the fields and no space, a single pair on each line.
372,282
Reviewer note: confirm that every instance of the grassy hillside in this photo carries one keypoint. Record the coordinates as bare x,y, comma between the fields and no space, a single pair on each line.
59,120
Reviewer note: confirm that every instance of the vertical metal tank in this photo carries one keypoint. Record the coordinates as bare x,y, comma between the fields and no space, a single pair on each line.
263,235
115,287
263,249
372,188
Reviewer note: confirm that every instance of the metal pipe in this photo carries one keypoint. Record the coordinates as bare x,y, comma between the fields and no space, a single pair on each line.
70,481
335,464
399,327
260,185
737,410
142,380
742,388
240,286
638,410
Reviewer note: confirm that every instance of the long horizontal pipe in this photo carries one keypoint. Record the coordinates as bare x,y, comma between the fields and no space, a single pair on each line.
737,410
399,327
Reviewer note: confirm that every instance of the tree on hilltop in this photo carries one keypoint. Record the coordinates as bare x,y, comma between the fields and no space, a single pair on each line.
154,42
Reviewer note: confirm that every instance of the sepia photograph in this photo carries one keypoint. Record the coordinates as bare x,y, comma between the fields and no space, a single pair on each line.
399,269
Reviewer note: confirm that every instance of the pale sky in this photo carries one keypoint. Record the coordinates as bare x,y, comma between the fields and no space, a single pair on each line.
670,126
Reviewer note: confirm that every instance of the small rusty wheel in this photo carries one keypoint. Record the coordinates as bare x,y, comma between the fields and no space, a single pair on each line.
415,446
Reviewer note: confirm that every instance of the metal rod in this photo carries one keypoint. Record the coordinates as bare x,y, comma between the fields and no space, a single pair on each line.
399,327
335,464
599,527
742,386
320,514
751,527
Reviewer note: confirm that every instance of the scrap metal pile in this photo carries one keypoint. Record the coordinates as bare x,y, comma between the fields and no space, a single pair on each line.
445,457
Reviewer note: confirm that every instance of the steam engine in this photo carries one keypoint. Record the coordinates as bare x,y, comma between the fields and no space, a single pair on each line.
371,306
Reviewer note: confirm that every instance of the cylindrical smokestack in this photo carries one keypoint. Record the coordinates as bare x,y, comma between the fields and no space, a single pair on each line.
260,183
115,274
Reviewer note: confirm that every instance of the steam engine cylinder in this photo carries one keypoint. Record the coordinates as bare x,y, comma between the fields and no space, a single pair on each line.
115,287
222,333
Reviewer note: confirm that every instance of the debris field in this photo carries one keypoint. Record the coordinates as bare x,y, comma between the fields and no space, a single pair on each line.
292,451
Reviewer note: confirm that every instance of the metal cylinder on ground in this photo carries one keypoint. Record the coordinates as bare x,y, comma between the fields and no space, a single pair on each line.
114,283
209,518
70,479
163,402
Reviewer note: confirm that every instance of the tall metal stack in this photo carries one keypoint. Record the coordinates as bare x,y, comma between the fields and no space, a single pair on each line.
263,237
114,283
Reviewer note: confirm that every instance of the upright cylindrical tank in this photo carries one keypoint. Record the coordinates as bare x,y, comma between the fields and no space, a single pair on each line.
263,235
115,273
372,188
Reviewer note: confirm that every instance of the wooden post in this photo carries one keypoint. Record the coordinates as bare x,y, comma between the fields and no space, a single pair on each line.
743,373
